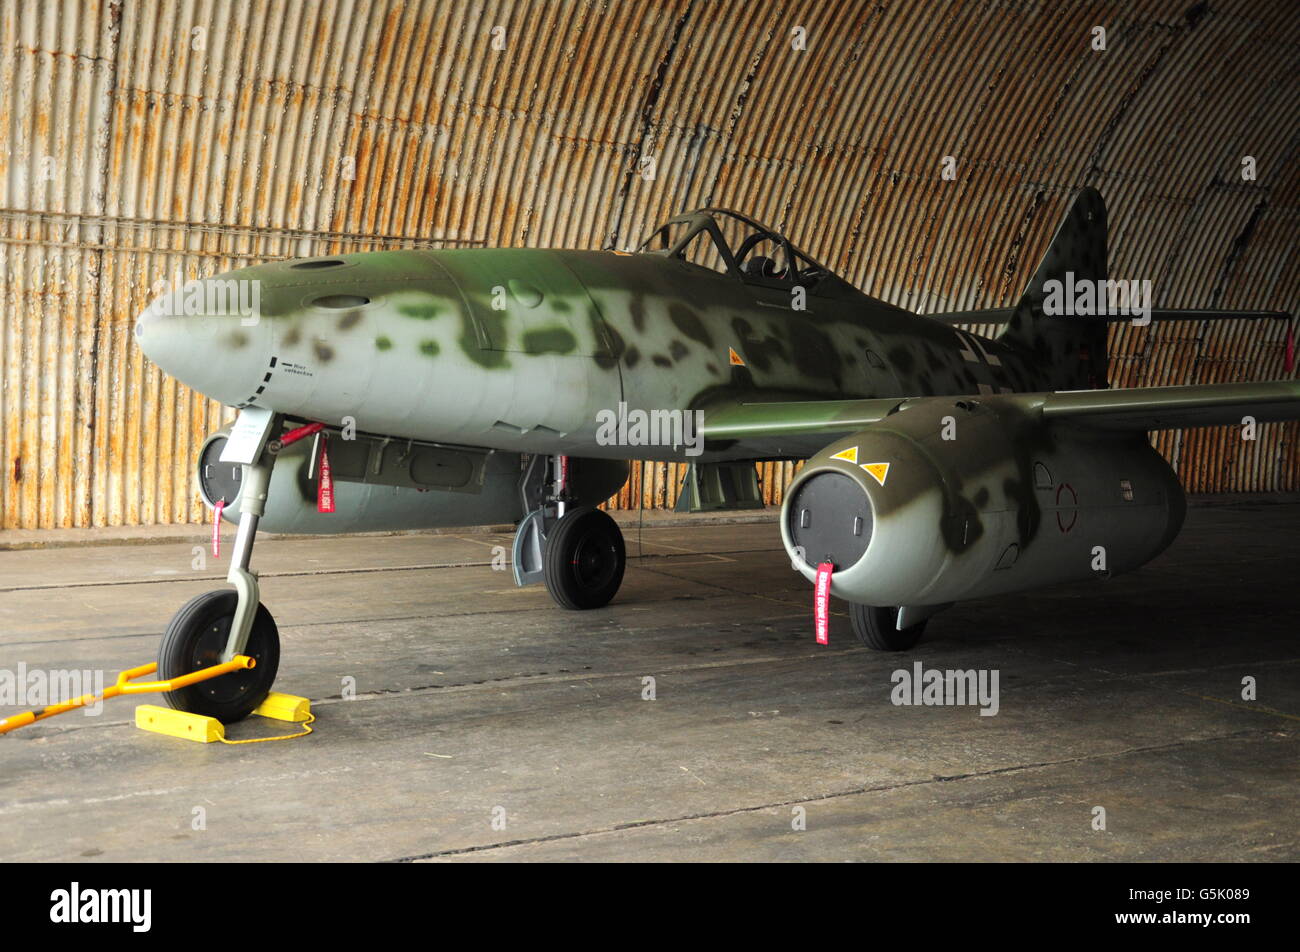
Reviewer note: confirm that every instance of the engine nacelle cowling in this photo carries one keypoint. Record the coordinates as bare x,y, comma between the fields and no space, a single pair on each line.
945,501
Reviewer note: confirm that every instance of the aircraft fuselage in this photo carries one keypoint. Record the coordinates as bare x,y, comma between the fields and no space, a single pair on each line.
520,349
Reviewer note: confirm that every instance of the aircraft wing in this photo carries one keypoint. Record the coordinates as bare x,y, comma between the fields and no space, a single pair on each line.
1168,408
802,427
792,428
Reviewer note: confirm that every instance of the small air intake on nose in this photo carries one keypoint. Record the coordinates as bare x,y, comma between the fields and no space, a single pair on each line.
339,301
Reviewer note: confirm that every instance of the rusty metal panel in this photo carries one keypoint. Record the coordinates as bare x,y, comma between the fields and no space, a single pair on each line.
151,142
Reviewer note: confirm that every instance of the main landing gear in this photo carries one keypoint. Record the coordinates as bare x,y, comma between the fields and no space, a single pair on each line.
877,628
891,628
216,626
584,559
578,553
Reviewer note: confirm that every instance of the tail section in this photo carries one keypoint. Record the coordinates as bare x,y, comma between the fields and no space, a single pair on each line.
1059,324
1068,350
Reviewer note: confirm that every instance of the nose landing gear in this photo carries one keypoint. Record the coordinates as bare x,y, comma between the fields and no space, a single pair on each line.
196,638
216,626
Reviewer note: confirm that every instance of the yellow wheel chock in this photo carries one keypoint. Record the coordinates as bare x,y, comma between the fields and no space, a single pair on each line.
205,730
163,720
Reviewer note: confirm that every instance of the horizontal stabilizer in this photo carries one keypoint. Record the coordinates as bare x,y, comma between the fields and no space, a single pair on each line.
1157,315
1192,314
995,315
1001,315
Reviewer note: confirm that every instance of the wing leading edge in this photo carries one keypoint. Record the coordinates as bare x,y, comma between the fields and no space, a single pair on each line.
1167,408
790,427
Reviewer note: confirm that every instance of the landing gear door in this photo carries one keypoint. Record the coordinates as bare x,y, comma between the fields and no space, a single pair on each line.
248,436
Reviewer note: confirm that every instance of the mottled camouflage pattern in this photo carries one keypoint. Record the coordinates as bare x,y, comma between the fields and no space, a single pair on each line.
1069,353
1008,503
519,349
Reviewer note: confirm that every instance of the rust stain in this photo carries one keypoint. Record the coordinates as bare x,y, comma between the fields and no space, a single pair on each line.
159,147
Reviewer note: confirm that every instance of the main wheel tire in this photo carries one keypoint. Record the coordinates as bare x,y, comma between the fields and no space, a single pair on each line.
584,559
876,628
196,637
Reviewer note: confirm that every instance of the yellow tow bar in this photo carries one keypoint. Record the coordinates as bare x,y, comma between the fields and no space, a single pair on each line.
124,686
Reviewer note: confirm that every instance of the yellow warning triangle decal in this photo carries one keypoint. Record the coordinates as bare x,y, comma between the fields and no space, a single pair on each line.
877,470
735,358
849,456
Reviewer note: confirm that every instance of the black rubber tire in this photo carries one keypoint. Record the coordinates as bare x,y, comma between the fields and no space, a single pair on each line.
195,638
584,559
874,627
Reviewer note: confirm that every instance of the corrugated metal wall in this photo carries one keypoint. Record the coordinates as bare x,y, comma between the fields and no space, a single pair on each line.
145,141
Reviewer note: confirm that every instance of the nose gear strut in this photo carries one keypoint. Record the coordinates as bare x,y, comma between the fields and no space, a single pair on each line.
220,625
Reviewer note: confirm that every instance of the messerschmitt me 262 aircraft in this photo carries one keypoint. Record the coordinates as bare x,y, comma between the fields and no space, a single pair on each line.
466,387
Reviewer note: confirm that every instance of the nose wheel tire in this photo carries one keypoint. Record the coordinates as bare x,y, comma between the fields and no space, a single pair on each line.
877,628
196,637
584,559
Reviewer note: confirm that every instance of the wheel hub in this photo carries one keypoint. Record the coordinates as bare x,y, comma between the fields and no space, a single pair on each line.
594,562
207,651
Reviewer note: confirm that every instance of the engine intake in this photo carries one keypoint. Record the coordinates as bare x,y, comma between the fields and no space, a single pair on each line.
829,517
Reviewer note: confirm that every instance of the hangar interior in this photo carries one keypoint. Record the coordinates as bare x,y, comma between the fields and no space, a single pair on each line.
924,151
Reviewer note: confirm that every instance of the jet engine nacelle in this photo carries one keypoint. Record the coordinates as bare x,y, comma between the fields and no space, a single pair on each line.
941,502
385,485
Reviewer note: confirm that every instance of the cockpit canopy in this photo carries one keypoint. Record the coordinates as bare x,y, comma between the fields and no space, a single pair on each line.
727,242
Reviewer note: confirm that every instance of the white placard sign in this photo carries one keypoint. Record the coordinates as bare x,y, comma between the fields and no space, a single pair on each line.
247,436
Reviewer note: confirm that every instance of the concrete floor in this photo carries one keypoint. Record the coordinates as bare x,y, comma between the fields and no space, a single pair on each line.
473,695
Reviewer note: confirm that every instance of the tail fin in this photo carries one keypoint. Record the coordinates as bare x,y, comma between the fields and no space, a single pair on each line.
1070,351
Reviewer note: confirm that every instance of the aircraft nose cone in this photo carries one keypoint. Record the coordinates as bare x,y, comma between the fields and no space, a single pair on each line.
210,336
